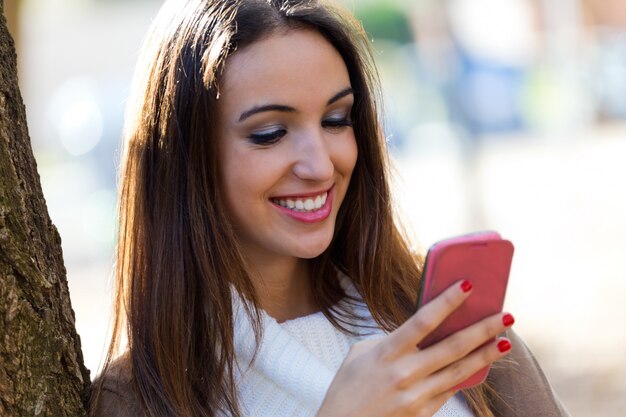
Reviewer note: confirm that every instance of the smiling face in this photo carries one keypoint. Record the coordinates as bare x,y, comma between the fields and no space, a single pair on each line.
286,144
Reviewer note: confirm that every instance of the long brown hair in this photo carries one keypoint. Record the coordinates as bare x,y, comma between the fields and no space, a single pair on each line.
178,257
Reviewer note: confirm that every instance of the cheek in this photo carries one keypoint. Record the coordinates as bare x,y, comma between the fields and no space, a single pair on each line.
239,196
240,184
347,154
248,177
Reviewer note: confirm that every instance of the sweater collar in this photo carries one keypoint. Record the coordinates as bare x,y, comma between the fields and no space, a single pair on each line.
281,359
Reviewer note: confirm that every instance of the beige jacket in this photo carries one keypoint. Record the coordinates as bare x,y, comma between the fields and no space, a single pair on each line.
522,388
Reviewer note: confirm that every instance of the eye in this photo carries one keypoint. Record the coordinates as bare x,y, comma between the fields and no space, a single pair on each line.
336,123
267,137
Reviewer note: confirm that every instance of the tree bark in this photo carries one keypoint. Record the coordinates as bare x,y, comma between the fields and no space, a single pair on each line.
41,363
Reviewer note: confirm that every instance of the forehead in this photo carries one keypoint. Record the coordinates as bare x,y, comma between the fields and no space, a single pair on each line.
289,65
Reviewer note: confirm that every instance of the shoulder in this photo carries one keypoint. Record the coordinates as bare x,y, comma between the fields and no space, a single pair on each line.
113,392
521,387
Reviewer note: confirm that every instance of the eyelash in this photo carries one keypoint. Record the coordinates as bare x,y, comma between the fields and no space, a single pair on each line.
275,135
337,123
267,138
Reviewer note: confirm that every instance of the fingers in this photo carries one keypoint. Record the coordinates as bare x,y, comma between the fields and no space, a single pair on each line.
422,363
440,386
461,343
460,370
391,376
436,371
406,337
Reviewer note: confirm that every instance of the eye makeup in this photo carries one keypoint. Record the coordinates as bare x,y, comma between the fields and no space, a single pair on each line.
337,122
337,117
271,135
267,136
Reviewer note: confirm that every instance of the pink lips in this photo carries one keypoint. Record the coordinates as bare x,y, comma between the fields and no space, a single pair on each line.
310,216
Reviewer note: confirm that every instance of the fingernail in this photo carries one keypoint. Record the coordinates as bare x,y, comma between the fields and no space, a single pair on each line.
508,320
466,286
504,345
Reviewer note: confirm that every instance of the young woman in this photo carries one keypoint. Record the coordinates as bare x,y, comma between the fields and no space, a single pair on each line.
260,271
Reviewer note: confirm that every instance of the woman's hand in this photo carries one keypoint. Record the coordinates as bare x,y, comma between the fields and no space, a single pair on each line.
392,377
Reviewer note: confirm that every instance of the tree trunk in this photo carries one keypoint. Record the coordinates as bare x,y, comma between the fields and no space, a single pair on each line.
41,363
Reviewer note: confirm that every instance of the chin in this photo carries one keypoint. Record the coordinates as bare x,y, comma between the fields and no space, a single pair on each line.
312,251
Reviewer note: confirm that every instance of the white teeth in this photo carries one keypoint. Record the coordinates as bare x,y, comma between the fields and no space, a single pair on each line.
309,204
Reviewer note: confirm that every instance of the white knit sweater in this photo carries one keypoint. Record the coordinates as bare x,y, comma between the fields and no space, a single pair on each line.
296,362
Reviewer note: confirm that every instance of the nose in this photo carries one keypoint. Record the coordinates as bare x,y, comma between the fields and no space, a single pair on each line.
314,160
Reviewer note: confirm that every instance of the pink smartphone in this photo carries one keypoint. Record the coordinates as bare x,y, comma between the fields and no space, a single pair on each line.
484,258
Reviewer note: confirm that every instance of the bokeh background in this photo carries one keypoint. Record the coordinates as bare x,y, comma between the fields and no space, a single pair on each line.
501,114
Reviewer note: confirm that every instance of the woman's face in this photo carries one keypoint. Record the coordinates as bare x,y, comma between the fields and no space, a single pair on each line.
286,144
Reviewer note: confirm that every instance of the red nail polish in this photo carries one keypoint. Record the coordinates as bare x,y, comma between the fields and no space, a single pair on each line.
504,345
466,286
508,320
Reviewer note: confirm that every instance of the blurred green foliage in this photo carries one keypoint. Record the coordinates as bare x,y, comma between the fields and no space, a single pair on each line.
385,20
382,19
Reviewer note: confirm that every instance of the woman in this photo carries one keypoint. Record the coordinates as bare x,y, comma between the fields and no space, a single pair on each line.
259,269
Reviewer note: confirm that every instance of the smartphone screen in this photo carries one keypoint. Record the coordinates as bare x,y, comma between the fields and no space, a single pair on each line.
484,259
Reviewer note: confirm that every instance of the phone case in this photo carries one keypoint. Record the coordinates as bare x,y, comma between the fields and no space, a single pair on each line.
484,258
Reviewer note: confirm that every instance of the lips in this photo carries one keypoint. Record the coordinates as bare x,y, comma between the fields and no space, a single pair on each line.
306,208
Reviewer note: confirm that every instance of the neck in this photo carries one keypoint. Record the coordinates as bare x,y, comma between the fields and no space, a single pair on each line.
283,288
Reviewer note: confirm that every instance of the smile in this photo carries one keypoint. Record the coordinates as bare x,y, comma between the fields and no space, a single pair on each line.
313,208
306,204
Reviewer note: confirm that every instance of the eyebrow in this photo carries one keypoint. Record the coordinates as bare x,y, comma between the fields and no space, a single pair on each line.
340,95
289,109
